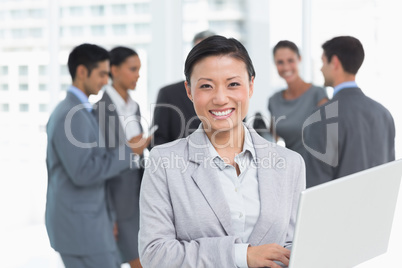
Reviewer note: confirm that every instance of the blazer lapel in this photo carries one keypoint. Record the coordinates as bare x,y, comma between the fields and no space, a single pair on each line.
138,115
118,134
267,184
206,178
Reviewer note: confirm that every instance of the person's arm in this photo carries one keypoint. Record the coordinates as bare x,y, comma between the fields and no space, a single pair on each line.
272,130
84,159
158,245
272,124
322,97
267,255
322,101
139,143
162,117
321,141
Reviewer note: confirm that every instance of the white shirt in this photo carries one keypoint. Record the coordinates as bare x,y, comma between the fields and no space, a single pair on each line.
126,110
242,194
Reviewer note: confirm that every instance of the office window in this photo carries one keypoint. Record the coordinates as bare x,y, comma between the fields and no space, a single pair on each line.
19,14
76,11
119,29
2,15
222,26
2,35
62,31
218,5
142,28
64,70
42,70
43,108
64,87
4,87
142,8
98,30
24,107
23,87
97,10
42,87
35,32
19,33
42,128
63,11
36,13
4,70
119,9
4,107
77,30
23,70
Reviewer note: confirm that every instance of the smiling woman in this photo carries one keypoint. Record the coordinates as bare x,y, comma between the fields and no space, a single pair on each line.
289,108
224,196
221,88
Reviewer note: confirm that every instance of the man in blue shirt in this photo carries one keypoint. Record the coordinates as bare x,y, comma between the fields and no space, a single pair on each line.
351,132
78,220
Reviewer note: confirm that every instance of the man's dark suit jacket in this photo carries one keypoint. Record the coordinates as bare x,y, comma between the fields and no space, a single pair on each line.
348,134
174,114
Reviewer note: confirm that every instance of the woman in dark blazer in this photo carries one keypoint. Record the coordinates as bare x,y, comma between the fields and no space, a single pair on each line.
120,121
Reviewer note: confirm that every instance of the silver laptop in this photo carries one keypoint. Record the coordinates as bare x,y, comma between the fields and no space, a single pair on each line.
347,221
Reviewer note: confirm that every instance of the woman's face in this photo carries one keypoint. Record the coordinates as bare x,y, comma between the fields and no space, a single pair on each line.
220,90
287,64
127,73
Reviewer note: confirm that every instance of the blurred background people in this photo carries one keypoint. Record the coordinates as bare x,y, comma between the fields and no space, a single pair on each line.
174,113
291,106
351,132
120,123
77,217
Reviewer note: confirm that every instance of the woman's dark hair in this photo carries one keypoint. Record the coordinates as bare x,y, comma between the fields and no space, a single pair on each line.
286,44
217,45
119,54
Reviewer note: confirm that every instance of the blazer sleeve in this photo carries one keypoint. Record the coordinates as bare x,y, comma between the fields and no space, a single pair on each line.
158,246
299,185
84,160
321,145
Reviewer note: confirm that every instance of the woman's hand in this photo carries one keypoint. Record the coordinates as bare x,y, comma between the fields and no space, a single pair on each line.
139,143
115,231
265,255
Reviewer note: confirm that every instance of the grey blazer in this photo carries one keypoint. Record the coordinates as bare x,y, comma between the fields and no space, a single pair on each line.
77,219
352,132
124,190
184,217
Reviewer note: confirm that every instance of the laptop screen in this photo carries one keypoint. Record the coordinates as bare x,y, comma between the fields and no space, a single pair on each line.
346,221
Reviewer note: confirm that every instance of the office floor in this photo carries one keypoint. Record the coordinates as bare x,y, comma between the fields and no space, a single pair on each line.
29,248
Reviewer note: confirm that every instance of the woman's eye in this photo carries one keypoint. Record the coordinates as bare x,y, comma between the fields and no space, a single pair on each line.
205,86
234,84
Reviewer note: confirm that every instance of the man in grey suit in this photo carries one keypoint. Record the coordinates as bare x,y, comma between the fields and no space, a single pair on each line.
351,132
77,218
